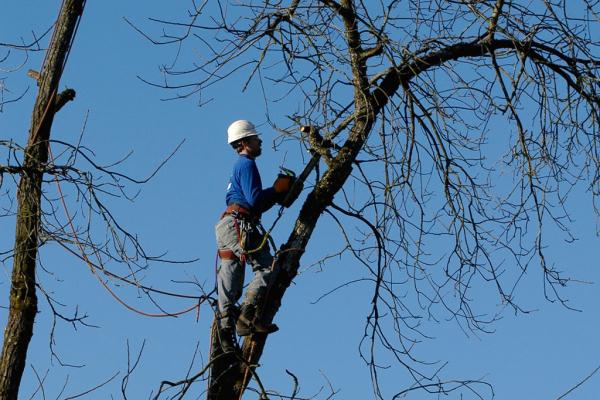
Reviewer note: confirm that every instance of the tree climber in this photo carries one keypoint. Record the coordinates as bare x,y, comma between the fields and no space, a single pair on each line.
241,239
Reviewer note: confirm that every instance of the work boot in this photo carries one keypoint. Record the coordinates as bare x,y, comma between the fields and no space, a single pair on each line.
227,339
248,323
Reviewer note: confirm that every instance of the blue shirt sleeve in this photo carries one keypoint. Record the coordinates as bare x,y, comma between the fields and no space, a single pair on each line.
246,187
259,200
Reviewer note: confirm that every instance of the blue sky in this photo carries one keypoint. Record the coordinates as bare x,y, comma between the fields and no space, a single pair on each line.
539,355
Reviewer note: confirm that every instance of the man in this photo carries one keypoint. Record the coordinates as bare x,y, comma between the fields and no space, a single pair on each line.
240,240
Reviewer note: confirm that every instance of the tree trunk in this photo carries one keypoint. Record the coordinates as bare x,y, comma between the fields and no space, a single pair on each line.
230,376
235,380
23,300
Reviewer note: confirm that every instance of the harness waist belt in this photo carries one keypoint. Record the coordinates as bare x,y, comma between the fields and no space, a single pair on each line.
240,211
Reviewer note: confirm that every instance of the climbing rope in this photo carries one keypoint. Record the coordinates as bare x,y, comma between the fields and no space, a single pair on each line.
100,266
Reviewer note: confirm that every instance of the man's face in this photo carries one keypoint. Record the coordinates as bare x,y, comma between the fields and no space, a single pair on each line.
253,146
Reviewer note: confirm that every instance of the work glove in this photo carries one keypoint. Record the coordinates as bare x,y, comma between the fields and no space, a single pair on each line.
293,194
283,184
287,189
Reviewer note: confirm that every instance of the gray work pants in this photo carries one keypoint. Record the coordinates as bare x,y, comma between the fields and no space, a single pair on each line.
230,273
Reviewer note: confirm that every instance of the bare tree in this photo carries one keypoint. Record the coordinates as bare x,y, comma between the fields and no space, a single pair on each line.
465,123
23,299
74,215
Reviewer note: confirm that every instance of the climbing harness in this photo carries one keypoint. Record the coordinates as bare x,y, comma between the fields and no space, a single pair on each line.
248,227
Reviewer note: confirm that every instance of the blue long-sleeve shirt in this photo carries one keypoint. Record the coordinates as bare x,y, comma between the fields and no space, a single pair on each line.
245,187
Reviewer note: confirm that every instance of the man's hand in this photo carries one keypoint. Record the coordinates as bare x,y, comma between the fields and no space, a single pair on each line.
293,193
284,185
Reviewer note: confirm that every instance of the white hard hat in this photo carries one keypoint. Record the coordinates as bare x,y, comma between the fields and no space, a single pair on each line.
240,129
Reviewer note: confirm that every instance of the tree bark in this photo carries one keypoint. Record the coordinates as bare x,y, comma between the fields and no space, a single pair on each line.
23,300
234,377
229,378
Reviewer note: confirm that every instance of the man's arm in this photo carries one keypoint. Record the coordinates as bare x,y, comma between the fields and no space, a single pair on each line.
259,200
